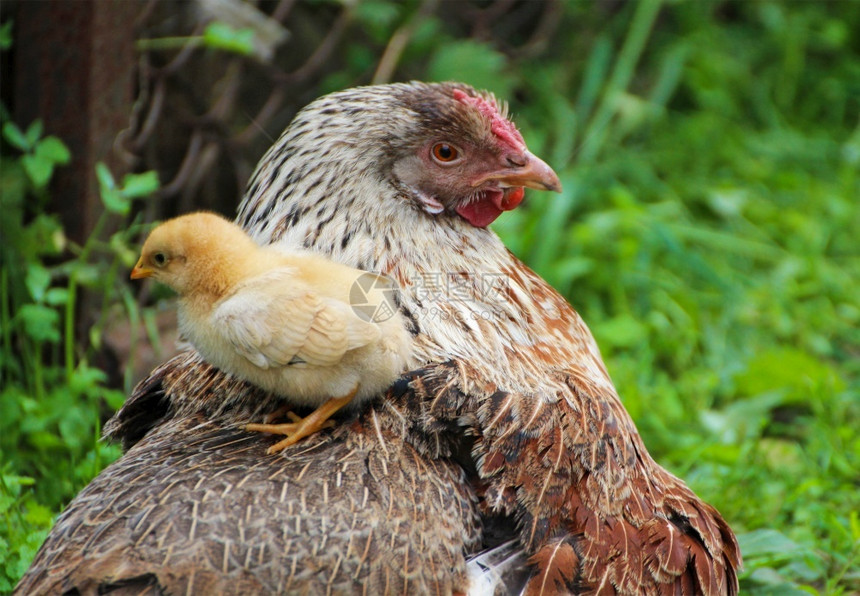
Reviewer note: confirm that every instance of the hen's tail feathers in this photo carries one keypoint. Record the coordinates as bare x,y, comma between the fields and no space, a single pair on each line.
496,571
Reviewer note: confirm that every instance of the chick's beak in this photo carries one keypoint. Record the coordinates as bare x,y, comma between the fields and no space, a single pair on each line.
139,271
524,170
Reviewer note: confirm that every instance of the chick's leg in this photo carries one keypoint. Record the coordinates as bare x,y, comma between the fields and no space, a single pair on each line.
303,427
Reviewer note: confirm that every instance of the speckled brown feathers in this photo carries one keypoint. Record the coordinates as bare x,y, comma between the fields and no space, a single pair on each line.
197,507
595,512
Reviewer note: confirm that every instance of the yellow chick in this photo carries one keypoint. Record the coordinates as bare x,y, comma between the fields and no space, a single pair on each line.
281,321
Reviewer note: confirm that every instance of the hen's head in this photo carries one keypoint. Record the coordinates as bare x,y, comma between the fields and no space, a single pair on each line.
463,156
443,153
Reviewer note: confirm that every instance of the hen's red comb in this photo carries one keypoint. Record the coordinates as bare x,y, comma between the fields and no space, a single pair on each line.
502,128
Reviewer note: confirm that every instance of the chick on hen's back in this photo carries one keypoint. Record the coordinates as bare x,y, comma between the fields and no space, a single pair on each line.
283,321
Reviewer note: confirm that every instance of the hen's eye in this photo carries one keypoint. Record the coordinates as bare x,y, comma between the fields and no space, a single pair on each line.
444,152
159,259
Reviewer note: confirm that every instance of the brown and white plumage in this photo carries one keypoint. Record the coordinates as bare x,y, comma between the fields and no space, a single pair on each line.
555,447
509,383
280,320
195,506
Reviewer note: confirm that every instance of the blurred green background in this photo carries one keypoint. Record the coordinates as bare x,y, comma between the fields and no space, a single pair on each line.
708,232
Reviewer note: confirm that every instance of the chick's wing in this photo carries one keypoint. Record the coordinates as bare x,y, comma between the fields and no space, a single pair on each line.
275,319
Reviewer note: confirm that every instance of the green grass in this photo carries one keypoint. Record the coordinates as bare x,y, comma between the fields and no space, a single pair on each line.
52,398
708,233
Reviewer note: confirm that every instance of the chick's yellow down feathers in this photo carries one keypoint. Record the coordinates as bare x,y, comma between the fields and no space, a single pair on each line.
280,320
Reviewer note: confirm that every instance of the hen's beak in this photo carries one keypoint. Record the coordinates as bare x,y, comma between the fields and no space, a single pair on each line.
525,170
139,271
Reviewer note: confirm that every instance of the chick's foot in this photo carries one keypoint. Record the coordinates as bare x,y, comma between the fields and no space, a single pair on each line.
302,427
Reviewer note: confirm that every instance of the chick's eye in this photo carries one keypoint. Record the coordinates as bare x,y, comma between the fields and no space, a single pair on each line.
445,153
159,259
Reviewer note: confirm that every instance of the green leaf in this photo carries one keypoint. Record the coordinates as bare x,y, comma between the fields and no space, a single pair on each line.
115,201
38,279
38,514
787,368
119,245
623,331
56,296
53,149
382,12
39,169
41,323
13,188
96,335
140,185
104,176
15,137
45,235
6,35
44,440
772,583
471,62
378,17
221,36
87,274
85,378
767,542
34,132
114,398
743,418
112,198
594,77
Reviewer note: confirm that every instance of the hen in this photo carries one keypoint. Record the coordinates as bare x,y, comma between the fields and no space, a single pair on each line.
282,321
509,413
